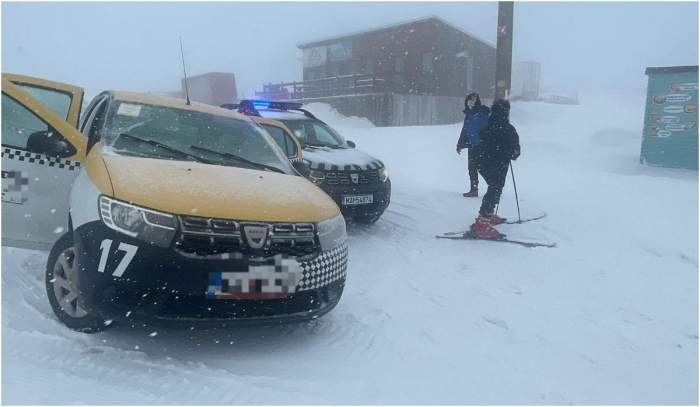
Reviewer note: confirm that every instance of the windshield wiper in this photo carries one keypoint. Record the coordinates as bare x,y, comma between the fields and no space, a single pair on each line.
321,145
238,158
166,147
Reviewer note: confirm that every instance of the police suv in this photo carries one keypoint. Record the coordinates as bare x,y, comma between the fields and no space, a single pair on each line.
357,182
165,208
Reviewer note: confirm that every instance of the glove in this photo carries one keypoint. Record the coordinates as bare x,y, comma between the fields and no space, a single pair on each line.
516,154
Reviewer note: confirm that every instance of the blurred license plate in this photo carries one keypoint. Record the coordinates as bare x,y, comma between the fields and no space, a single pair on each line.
358,199
274,278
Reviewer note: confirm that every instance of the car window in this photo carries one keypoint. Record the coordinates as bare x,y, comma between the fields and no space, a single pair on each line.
311,132
282,139
94,122
58,101
324,135
300,131
89,116
18,123
88,113
137,129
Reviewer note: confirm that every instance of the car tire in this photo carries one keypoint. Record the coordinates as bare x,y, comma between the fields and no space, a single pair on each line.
61,290
367,219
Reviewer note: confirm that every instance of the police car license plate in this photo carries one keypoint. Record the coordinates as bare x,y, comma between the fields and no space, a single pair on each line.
271,279
357,199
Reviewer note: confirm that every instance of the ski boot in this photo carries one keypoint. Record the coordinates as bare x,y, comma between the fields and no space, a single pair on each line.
473,193
482,229
495,219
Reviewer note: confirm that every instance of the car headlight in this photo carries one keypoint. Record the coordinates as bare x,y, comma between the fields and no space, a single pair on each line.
331,232
317,177
151,226
383,174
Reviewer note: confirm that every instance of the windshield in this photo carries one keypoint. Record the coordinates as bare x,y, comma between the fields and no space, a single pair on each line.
178,134
313,133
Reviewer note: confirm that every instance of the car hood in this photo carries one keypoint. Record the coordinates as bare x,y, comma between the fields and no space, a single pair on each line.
339,159
198,189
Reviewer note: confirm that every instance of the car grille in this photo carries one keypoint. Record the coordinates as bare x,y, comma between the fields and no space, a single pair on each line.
201,236
346,177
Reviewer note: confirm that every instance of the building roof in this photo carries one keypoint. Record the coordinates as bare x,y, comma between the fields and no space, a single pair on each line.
436,19
219,74
671,69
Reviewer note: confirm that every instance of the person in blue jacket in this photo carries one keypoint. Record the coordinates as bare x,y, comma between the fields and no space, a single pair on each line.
476,116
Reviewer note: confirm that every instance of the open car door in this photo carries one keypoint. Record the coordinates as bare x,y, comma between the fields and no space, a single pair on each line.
42,152
63,99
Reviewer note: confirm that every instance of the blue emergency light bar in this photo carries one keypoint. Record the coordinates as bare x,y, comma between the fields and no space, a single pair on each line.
261,103
270,104
250,107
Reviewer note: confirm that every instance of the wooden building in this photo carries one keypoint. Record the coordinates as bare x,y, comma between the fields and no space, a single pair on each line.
416,72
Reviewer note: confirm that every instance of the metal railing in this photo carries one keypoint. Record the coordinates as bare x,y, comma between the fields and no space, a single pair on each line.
354,84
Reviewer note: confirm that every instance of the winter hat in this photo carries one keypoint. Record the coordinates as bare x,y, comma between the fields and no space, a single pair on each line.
500,110
472,95
477,101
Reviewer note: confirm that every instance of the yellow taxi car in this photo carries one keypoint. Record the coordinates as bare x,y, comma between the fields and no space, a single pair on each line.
163,208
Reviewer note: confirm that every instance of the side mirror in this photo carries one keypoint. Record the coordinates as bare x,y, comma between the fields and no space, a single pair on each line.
50,143
301,167
293,149
351,143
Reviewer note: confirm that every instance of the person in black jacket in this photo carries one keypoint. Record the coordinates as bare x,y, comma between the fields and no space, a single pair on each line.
499,144
476,116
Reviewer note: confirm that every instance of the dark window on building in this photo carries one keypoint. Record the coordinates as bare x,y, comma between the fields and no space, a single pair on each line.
359,66
340,51
465,71
400,64
370,65
428,63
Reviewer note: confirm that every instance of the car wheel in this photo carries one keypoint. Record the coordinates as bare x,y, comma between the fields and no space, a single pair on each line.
61,269
367,219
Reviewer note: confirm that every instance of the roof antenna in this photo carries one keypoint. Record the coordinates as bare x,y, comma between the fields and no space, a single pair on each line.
187,87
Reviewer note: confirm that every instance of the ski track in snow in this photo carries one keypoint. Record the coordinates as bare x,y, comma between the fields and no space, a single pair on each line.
609,316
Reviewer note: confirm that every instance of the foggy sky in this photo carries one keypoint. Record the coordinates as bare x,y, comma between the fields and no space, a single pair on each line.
134,46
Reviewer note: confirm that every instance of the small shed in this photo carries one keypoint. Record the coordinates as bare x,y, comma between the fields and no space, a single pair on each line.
670,136
214,88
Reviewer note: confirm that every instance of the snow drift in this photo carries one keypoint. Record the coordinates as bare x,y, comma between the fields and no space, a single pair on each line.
609,316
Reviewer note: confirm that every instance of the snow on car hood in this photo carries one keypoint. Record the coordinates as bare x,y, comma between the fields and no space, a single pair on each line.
191,188
338,159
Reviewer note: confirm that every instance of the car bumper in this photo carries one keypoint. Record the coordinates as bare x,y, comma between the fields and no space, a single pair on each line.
163,283
381,196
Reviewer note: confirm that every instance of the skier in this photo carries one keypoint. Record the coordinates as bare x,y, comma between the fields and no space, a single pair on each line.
476,117
499,144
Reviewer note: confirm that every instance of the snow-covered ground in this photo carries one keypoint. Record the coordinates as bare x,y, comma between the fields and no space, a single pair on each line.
609,316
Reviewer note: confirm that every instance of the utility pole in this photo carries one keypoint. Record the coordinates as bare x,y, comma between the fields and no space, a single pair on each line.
504,48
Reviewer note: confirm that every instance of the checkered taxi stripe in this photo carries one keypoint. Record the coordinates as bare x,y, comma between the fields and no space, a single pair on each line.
324,269
36,158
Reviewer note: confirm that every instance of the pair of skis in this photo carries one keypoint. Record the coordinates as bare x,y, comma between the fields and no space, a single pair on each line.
469,235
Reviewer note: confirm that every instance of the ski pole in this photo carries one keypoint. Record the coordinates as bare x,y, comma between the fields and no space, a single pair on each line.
517,201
